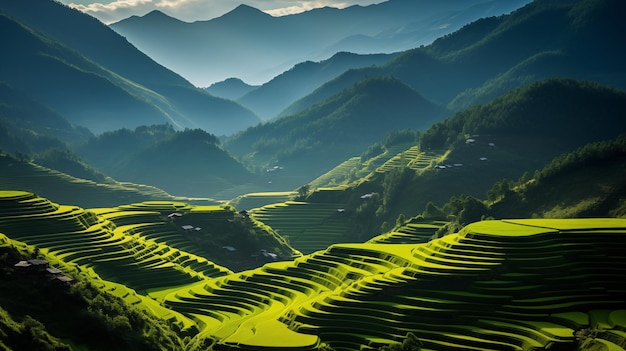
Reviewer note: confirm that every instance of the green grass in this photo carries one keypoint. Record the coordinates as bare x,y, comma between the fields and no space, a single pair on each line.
495,285
309,227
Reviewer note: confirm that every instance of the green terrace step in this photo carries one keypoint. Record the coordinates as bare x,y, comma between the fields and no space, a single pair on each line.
58,185
260,199
412,158
378,292
116,252
338,175
495,285
309,226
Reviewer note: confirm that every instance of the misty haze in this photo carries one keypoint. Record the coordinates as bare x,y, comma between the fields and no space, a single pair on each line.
401,175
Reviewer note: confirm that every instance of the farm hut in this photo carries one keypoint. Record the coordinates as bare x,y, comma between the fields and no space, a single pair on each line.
64,280
229,248
40,264
188,227
367,196
174,215
269,255
36,264
22,265
470,141
53,271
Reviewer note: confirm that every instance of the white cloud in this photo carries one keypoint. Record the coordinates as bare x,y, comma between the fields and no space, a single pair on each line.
193,10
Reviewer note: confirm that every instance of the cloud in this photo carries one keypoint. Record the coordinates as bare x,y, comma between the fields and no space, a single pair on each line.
302,6
193,10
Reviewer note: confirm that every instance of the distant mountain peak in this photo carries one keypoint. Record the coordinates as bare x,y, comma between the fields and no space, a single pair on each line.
152,17
156,15
245,11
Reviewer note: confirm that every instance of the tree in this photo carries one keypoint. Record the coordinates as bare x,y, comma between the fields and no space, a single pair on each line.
432,212
410,343
303,192
400,220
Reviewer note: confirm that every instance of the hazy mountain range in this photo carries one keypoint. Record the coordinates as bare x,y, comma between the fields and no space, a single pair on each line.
352,203
321,112
249,44
94,78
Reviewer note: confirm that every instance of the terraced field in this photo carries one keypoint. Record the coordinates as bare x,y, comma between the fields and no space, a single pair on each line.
354,168
128,245
496,285
412,158
67,189
254,200
309,227
414,232
528,284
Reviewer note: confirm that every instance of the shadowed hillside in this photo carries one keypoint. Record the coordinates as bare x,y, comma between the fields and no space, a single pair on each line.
488,57
268,100
518,133
20,174
98,76
309,143
259,46
185,163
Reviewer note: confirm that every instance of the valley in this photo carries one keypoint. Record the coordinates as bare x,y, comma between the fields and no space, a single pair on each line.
391,187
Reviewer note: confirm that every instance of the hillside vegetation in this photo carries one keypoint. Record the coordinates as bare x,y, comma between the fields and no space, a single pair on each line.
186,163
493,285
107,83
493,55
516,134
308,143
368,216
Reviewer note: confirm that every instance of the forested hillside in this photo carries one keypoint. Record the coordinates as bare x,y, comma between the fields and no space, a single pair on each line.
309,143
188,163
520,132
493,55
107,83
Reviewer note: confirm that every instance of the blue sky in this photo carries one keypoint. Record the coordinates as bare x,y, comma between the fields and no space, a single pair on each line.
109,11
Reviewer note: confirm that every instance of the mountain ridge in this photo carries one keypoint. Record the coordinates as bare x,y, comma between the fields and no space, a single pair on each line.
93,89
272,42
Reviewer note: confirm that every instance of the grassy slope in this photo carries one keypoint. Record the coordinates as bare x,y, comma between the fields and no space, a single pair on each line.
380,286
470,289
22,175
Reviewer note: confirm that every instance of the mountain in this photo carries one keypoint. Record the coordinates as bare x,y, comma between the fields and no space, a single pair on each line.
21,174
28,127
313,141
272,97
231,89
258,46
595,171
94,78
521,131
488,57
184,163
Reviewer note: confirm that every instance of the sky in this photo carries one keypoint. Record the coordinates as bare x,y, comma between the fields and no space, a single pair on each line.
109,11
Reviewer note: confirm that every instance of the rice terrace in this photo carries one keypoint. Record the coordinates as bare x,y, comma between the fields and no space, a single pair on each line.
494,285
294,175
